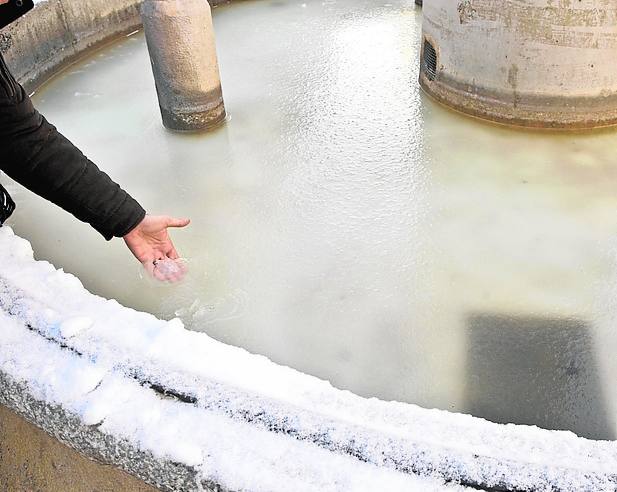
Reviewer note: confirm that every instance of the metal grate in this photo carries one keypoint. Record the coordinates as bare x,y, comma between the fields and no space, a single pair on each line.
429,60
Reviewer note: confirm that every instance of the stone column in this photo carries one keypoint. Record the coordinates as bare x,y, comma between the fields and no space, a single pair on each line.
182,50
534,63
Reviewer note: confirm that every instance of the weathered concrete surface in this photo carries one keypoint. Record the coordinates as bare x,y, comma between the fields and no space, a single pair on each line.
31,459
182,49
535,63
88,441
57,32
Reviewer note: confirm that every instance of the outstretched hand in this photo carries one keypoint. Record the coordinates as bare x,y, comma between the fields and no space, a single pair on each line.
150,242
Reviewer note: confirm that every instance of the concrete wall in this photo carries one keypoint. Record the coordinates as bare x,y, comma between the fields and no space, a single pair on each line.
534,63
58,32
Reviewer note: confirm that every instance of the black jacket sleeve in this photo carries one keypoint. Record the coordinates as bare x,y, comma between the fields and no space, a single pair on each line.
36,155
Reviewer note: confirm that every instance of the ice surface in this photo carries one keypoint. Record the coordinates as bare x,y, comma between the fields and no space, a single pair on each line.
253,424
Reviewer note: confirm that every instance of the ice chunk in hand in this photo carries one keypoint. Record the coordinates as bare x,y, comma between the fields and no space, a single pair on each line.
169,267
167,270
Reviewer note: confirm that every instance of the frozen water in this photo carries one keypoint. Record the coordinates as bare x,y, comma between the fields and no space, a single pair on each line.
169,267
347,226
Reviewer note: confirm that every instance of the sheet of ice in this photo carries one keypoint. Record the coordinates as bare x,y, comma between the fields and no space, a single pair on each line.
234,393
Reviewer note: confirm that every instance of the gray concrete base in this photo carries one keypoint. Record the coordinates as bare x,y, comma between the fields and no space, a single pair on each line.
36,458
553,113
203,118
534,63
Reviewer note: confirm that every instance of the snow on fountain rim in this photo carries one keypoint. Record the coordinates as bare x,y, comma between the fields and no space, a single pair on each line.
242,404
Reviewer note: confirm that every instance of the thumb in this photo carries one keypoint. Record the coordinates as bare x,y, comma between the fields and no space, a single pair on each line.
175,222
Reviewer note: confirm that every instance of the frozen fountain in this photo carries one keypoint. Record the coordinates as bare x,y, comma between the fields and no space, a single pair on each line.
343,226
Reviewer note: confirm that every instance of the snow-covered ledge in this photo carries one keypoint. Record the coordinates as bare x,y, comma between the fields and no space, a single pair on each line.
181,411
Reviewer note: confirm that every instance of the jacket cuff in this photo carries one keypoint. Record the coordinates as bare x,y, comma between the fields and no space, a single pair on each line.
123,220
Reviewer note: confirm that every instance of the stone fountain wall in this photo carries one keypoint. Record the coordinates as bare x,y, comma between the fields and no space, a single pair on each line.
58,32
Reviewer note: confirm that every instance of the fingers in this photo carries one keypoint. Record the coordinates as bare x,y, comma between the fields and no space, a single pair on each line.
174,222
172,253
154,244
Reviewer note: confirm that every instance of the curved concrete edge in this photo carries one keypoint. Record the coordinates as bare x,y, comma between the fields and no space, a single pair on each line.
31,459
56,34
527,111
104,448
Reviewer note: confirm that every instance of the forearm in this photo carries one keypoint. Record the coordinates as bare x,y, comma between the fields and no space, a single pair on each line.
37,156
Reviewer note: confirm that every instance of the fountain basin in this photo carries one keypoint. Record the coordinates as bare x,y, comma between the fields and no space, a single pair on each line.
179,409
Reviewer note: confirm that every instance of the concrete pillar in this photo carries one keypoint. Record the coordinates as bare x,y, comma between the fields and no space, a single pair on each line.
182,50
534,63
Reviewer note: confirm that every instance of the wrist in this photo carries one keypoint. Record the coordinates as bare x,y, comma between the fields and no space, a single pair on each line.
131,230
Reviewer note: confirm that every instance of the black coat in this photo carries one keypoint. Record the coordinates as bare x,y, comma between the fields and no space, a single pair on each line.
36,155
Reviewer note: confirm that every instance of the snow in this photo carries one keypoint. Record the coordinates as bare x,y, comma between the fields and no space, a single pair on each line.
73,326
245,422
234,454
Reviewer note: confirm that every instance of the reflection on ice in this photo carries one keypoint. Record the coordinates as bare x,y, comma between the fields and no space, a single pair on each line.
540,371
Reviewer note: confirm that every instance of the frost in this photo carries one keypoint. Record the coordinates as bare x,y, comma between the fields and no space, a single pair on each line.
72,326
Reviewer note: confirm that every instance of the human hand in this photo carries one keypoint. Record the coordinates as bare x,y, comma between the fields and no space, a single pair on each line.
149,242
